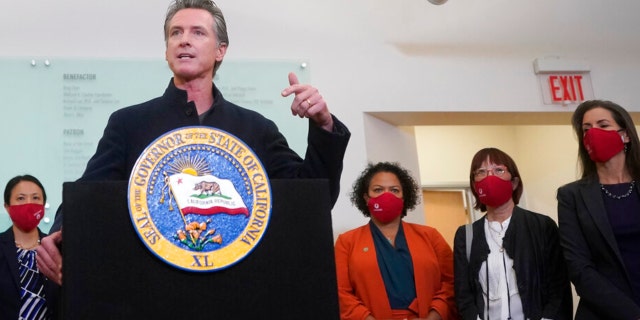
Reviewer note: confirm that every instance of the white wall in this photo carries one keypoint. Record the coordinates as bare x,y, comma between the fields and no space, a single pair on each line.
368,55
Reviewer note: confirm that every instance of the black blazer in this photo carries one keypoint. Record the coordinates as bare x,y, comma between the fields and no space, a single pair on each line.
10,280
595,265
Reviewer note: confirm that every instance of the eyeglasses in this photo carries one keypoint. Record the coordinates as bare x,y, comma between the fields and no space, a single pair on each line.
482,173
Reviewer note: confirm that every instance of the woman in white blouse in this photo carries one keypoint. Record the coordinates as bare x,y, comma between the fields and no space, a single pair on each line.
512,267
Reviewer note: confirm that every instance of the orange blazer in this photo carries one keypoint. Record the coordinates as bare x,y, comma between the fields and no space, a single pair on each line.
361,289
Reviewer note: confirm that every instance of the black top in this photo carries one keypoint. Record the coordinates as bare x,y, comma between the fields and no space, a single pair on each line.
595,263
11,282
624,216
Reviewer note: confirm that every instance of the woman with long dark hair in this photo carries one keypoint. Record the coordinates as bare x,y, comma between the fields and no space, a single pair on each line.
599,215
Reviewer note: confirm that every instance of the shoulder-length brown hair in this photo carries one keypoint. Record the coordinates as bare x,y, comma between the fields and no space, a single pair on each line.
496,156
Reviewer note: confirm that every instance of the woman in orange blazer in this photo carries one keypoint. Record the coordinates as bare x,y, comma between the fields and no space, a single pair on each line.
390,269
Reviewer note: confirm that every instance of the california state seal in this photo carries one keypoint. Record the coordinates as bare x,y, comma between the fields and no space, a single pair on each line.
199,198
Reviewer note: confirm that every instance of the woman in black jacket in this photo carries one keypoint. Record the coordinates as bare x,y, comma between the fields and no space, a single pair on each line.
512,268
599,215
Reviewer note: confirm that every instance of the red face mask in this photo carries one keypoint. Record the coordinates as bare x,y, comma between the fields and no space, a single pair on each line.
26,216
493,191
602,145
385,207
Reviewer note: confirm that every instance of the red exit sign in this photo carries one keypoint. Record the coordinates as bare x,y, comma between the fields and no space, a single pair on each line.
565,88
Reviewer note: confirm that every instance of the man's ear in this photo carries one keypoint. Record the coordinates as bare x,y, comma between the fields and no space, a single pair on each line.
222,50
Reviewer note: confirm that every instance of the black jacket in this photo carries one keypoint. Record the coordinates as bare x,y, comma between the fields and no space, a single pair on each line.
130,130
595,265
532,241
10,280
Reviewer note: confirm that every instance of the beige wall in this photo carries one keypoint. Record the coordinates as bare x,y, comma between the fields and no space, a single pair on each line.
445,152
546,157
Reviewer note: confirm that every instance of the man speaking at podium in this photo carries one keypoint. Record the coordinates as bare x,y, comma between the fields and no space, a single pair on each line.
196,42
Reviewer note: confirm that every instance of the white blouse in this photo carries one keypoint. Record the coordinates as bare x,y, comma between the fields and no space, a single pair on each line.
504,298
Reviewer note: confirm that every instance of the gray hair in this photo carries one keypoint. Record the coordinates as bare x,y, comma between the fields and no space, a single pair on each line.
220,26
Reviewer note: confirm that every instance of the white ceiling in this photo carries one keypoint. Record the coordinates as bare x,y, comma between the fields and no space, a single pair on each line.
546,27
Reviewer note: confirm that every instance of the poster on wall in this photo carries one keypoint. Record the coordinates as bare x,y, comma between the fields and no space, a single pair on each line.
55,110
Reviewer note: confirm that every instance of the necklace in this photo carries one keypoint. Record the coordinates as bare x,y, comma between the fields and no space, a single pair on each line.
20,246
618,197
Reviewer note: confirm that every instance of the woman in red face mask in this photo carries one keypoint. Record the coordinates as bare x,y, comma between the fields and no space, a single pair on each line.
511,266
390,269
24,292
599,215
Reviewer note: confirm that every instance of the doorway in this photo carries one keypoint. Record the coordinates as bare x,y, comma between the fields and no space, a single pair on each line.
448,209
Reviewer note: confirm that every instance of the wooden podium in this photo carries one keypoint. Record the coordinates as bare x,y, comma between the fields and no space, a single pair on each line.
110,274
